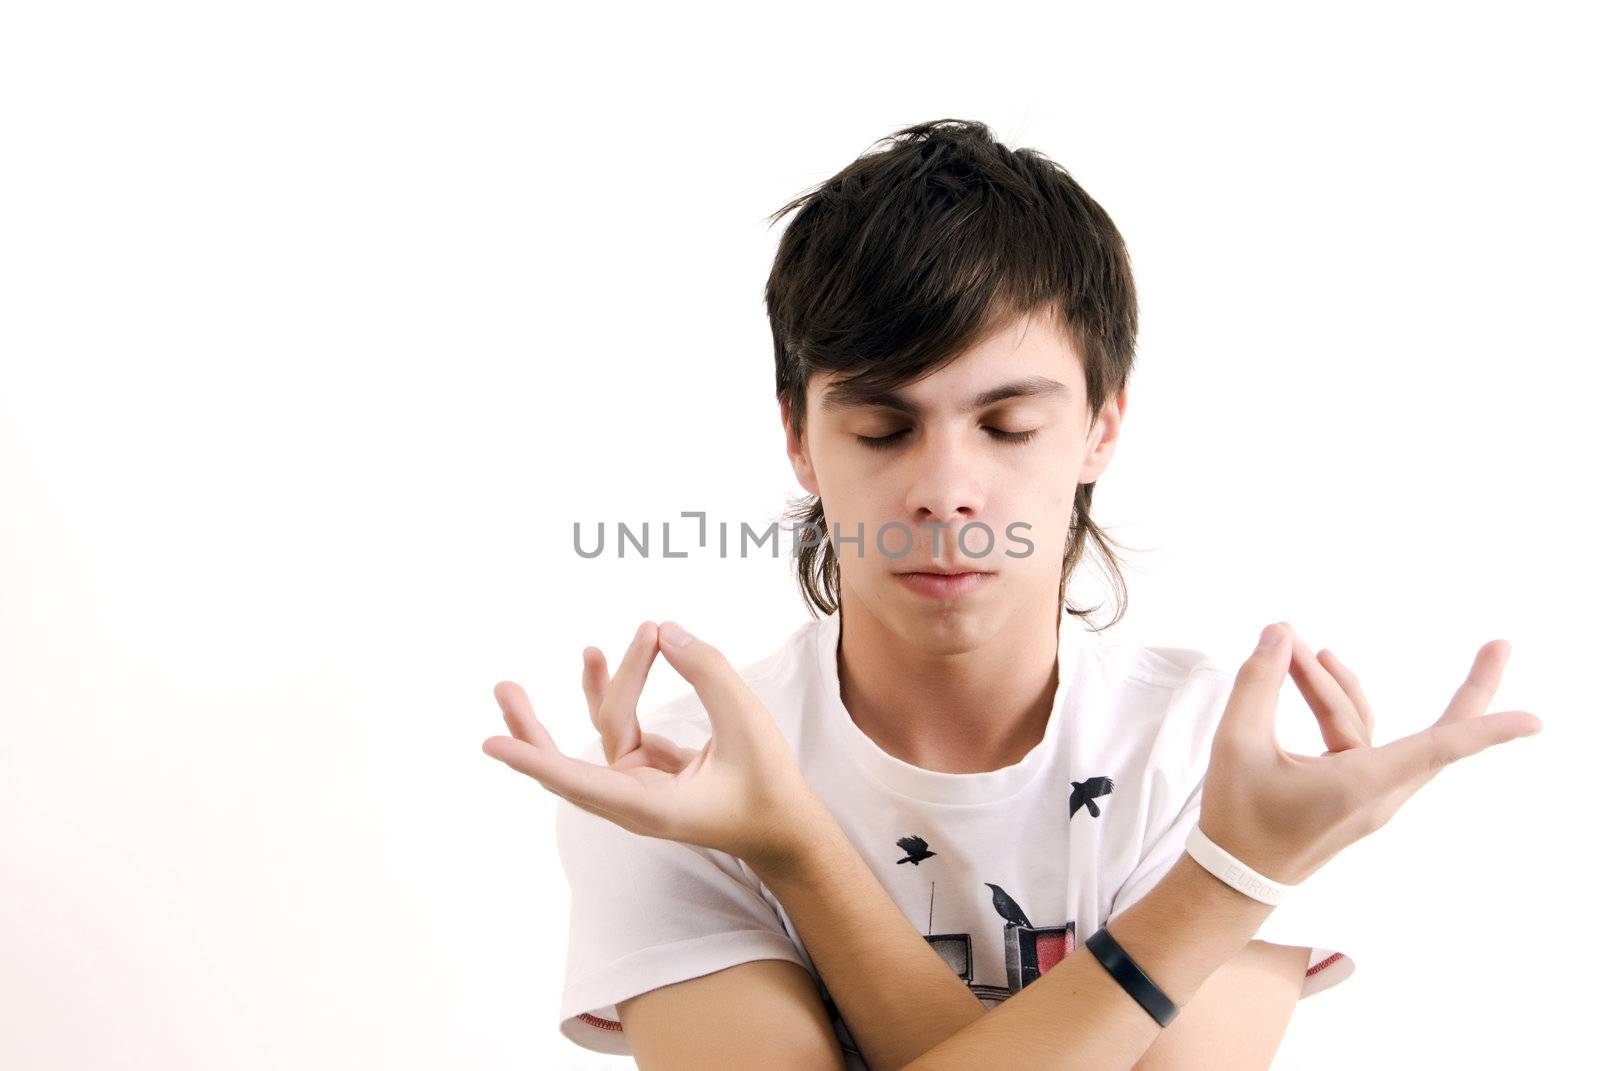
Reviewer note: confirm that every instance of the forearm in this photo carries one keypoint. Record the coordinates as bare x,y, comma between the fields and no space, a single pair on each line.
894,992
1077,1015
904,1006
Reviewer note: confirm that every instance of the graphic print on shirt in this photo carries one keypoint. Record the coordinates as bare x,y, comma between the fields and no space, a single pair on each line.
916,850
1084,794
1029,950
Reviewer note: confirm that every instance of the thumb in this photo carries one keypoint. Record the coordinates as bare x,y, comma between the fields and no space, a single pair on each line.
1250,718
725,695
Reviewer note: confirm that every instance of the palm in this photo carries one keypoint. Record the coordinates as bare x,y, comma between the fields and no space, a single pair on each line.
681,775
657,760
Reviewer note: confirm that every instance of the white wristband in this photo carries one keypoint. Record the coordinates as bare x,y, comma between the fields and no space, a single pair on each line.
1230,871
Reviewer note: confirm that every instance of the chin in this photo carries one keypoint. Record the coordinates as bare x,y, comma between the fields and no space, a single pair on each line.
951,623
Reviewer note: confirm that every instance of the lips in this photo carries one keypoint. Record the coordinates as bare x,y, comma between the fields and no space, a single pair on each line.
944,585
936,570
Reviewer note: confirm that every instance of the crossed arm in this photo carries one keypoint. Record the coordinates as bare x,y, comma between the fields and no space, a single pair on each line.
906,1008
1284,814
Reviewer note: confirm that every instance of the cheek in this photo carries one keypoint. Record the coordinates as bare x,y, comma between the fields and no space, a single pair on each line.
1052,488
845,491
1049,513
1064,483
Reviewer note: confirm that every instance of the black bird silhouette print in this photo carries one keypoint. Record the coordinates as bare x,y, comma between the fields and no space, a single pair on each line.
1030,950
1084,793
916,850
1008,908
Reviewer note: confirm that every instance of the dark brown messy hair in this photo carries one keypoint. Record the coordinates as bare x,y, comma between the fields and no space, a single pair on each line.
902,261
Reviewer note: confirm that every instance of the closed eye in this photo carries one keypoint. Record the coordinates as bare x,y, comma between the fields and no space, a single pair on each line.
885,442
881,442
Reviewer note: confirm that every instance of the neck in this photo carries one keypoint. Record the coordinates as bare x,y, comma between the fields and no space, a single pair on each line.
965,709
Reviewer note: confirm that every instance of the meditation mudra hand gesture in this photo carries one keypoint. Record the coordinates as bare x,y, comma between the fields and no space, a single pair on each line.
1282,814
741,793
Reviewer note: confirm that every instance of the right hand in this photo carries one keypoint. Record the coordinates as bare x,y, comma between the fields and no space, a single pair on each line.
741,793
1285,815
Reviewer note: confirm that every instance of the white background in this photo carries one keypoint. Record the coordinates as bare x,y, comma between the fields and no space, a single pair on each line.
323,322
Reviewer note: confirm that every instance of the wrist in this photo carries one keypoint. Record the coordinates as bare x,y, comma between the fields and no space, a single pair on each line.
1186,927
808,847
801,844
1210,893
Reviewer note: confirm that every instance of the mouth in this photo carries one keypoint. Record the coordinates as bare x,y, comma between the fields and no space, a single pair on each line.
943,569
944,584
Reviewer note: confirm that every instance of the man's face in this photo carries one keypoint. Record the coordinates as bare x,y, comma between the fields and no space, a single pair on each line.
948,454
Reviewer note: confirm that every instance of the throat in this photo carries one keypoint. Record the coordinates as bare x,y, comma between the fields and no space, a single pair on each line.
960,712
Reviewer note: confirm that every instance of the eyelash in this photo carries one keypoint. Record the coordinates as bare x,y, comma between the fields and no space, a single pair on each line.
886,442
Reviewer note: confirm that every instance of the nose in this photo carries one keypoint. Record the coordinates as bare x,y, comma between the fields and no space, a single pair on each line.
945,485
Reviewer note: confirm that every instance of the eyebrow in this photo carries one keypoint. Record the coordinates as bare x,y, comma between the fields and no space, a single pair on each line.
841,396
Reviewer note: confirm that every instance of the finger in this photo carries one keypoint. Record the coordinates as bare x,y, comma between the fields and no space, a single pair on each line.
1483,680
619,717
724,694
1352,688
492,748
1414,760
1249,720
657,752
1336,714
518,713
588,805
595,682
596,788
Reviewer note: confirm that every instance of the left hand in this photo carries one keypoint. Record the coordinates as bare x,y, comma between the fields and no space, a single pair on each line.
742,793
1285,815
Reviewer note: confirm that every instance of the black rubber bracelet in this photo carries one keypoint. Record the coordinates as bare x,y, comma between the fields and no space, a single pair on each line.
1128,975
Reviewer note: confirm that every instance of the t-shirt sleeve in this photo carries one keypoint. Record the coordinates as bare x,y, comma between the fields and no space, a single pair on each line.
648,912
1199,702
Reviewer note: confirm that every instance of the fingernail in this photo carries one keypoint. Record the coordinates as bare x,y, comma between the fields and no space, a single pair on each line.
675,634
1269,638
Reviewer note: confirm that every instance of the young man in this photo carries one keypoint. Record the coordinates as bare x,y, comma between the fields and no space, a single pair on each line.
928,798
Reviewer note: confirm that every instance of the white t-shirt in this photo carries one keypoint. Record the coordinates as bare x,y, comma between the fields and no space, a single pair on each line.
1004,871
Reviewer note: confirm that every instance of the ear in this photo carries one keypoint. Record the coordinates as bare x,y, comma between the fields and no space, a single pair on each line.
1103,437
799,453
